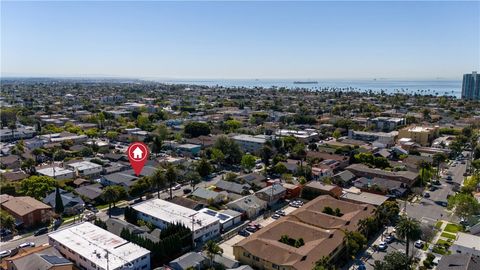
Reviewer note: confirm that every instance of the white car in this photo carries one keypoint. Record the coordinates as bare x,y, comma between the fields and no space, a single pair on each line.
382,246
419,244
5,253
177,187
27,244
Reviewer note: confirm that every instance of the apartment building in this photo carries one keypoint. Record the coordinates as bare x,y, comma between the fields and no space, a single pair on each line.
162,213
91,248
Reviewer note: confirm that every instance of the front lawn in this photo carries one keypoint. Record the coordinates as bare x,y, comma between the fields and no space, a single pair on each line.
438,225
443,242
425,247
449,235
452,228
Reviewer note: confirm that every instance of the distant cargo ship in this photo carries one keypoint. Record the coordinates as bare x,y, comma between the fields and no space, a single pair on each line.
305,82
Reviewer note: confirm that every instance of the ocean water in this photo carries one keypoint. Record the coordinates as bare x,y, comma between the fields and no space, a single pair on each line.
422,87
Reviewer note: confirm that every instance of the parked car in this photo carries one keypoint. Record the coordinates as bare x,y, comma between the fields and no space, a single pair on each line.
426,195
419,244
280,212
5,253
177,187
187,191
27,244
276,216
436,182
432,188
243,233
41,231
5,232
251,229
92,208
389,239
382,246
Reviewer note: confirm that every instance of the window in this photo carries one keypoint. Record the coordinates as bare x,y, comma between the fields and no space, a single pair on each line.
93,265
256,258
246,254
275,266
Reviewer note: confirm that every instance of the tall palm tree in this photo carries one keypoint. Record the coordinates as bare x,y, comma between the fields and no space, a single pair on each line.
110,195
156,144
158,180
212,249
409,229
171,176
438,158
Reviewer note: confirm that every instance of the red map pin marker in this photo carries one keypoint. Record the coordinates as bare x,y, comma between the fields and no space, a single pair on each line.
137,154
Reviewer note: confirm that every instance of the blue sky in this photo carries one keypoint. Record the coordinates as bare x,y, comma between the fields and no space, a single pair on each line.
324,40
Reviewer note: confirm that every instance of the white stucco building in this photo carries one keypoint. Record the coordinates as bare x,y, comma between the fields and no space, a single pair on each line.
162,213
90,247
466,244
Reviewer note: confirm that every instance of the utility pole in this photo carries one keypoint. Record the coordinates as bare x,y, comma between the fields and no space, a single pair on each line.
193,225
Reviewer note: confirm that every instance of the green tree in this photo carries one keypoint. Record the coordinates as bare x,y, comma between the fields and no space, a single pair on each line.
37,186
171,176
248,162
193,177
139,187
438,159
395,260
408,229
355,241
266,153
111,135
7,220
337,133
212,249
280,168
157,144
231,150
91,132
59,208
464,205
323,264
158,180
232,125
204,168
110,195
195,129
217,156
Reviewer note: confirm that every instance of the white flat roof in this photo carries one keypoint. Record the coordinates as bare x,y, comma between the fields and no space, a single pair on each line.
58,171
249,138
172,213
468,240
92,242
84,165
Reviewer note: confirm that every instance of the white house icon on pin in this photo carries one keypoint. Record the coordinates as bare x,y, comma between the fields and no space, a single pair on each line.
137,153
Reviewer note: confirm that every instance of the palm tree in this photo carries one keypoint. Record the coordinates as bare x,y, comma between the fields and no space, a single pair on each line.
110,195
409,229
156,144
323,264
158,180
438,158
425,168
212,249
171,176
